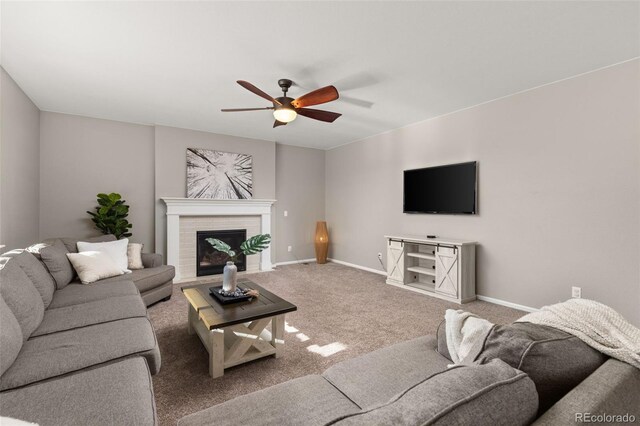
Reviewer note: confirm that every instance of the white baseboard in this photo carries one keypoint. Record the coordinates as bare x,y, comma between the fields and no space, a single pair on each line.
507,304
483,298
353,265
293,262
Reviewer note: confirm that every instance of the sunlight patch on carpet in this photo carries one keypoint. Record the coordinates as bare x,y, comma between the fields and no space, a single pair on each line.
327,350
290,329
302,337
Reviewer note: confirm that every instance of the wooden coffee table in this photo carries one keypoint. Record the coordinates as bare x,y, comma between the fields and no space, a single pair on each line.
236,333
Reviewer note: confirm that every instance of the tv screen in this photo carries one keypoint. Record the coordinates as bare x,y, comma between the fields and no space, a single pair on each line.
449,189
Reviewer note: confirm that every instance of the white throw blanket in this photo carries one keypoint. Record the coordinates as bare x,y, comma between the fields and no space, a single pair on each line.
596,324
463,330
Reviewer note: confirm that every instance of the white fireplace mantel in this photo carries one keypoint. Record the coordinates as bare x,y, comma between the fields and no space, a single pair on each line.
177,207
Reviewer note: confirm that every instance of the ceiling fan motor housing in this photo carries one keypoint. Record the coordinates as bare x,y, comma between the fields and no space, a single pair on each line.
285,101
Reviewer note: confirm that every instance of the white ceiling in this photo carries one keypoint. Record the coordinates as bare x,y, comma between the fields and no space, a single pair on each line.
394,63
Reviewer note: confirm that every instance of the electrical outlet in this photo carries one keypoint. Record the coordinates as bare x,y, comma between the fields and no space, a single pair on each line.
286,213
289,249
576,292
380,256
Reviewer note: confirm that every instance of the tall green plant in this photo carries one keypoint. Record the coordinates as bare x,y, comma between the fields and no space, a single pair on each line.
111,214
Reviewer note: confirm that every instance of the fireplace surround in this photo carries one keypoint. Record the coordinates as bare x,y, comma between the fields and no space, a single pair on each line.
188,214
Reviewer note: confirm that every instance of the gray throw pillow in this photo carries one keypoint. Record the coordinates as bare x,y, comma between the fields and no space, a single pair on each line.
10,337
556,361
37,273
21,296
441,334
54,256
493,394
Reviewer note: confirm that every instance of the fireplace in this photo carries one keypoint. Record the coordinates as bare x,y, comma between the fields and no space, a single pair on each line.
210,261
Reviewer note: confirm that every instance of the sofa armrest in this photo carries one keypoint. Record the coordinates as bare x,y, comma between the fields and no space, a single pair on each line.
151,260
612,389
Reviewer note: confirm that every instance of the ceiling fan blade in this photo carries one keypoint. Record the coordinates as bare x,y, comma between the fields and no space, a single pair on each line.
317,97
318,114
253,89
278,123
244,109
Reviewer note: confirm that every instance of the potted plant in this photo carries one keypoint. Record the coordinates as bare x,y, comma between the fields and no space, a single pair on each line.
253,245
111,214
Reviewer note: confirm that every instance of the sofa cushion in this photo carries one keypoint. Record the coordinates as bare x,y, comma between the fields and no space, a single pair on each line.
20,295
54,255
90,313
308,400
65,352
116,394
75,294
493,394
556,361
37,273
375,377
148,278
72,243
10,337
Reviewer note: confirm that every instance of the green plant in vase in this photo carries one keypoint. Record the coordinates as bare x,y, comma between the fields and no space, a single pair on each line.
253,245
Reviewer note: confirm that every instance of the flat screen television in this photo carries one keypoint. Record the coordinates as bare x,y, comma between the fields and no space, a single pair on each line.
449,189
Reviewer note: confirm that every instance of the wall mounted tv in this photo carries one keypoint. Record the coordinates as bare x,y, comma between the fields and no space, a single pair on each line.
449,189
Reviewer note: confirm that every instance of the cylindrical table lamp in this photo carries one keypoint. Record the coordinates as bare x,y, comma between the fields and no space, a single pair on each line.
322,242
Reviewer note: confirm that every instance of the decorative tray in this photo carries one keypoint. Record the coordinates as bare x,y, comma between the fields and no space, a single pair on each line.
225,300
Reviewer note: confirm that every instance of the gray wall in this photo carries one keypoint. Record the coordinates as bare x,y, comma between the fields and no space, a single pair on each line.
19,166
559,190
171,169
300,191
81,157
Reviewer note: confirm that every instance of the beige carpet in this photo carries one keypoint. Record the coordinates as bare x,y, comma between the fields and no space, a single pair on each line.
343,312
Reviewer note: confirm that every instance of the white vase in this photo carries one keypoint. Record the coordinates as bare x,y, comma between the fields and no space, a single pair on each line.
229,277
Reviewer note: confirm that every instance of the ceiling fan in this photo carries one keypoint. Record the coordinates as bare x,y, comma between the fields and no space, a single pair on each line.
286,109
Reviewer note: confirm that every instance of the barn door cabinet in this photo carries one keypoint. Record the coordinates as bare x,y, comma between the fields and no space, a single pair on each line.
440,267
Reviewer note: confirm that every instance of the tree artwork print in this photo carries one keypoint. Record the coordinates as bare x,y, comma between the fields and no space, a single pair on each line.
218,175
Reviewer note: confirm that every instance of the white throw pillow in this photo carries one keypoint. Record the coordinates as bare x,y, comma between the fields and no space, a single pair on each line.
134,255
116,250
92,266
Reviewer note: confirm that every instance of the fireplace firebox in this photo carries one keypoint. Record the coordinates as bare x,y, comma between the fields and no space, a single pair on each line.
210,261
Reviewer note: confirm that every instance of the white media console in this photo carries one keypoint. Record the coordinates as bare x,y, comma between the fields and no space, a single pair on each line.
440,267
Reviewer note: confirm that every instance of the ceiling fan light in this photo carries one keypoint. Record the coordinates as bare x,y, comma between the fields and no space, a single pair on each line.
285,115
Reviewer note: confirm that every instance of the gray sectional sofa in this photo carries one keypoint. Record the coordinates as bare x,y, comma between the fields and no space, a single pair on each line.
77,354
409,384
